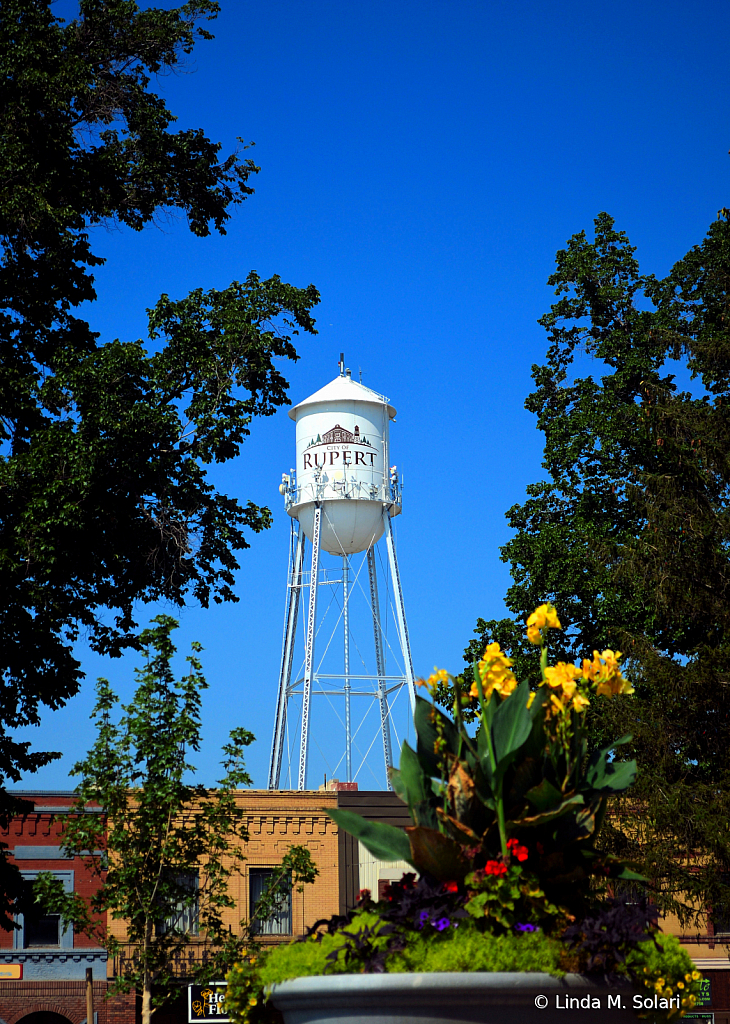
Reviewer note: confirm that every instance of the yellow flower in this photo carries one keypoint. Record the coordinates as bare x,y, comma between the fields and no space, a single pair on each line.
556,701
696,975
580,702
561,679
604,672
561,674
680,984
530,699
495,673
544,617
439,675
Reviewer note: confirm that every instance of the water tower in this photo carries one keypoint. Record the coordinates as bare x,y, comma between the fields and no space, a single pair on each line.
341,498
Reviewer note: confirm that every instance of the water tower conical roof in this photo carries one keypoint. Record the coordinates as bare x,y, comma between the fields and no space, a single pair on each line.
343,389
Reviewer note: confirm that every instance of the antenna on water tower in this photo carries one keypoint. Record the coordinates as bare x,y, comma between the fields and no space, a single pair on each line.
342,499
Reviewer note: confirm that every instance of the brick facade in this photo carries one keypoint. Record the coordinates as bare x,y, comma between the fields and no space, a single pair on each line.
34,845
18,999
275,821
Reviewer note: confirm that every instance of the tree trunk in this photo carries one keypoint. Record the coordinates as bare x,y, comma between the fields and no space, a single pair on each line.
147,1010
146,1000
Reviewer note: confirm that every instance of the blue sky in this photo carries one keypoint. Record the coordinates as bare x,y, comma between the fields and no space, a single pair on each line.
421,163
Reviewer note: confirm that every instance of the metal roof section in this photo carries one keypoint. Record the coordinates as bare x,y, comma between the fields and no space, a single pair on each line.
343,389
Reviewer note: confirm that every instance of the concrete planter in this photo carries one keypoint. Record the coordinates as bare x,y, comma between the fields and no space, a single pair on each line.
478,998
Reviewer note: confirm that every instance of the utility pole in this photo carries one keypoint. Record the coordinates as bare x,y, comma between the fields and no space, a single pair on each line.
89,995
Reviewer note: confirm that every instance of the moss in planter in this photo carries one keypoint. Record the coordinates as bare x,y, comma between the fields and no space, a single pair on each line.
469,950
460,949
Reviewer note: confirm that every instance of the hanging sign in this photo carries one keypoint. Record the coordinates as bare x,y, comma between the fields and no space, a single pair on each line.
207,1002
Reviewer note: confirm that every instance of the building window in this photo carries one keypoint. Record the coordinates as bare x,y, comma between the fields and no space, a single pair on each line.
185,918
38,930
279,923
720,921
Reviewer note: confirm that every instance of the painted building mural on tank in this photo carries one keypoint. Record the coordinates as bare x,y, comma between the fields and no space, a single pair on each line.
335,444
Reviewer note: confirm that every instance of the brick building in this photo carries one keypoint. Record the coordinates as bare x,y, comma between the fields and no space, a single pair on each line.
43,965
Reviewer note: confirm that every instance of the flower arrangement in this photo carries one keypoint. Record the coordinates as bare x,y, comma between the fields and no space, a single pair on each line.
503,845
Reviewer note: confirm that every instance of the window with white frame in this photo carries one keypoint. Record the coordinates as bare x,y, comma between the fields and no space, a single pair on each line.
184,920
37,929
279,922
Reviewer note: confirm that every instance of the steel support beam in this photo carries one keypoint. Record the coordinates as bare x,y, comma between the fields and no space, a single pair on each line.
400,611
309,649
380,665
294,589
347,687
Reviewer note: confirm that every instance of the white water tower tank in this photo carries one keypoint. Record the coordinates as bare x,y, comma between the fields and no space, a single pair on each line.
342,464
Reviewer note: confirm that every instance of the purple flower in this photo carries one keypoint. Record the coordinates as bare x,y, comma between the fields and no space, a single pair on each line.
443,922
422,918
526,928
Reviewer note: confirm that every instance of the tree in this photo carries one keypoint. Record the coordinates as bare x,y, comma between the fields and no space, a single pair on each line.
105,446
170,845
629,536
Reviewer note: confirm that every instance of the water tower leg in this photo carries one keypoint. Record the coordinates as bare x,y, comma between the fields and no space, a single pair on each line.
309,649
287,651
380,663
400,612
346,624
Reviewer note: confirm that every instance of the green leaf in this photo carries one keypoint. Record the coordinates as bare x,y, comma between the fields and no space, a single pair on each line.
436,854
425,717
613,776
631,876
511,726
536,820
417,786
485,760
384,841
398,785
544,797
542,694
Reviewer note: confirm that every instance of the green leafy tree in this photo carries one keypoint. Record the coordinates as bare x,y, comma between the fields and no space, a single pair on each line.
105,446
169,845
629,536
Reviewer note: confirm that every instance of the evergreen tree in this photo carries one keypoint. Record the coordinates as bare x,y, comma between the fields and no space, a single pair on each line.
104,445
629,537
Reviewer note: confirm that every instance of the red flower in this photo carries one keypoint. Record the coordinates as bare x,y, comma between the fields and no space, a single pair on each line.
518,851
495,867
451,886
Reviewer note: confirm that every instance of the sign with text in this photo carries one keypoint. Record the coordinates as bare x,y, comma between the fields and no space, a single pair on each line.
705,998
207,1002
11,972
